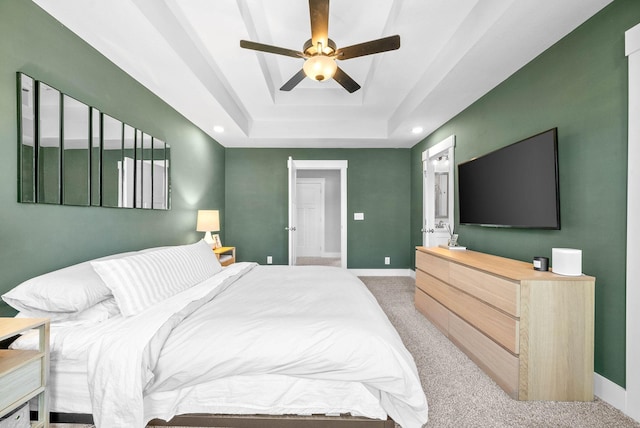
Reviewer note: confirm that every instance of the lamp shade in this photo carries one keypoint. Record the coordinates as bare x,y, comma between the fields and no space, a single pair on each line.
208,221
320,67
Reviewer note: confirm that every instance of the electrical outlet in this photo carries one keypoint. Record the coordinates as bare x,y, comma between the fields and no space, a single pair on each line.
387,260
269,260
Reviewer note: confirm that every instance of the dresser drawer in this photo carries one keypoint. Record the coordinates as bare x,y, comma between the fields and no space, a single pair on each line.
498,292
434,311
20,382
499,326
499,364
434,265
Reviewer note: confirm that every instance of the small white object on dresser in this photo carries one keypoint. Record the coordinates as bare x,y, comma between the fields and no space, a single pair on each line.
24,373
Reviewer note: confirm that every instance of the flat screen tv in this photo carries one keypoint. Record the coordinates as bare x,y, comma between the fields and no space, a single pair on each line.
515,186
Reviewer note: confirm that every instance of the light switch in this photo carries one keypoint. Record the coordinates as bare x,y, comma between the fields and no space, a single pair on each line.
358,216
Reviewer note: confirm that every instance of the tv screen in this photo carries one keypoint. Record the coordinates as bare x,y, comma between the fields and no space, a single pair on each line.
515,186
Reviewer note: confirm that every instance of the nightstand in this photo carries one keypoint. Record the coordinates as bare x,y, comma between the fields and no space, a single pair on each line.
226,255
23,374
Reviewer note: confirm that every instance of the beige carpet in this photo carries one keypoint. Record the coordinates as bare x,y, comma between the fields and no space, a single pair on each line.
459,394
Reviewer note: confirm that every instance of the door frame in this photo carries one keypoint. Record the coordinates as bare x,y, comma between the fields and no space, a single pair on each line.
632,390
339,165
428,183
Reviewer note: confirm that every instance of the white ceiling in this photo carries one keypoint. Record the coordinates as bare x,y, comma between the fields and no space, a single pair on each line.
452,52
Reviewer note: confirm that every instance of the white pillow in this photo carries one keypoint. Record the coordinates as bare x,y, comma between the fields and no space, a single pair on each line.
101,311
139,281
71,289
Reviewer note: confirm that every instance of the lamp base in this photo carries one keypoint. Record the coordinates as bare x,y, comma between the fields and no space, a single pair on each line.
209,239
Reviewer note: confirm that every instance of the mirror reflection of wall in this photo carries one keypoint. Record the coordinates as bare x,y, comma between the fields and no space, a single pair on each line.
75,153
111,158
441,191
442,195
72,154
27,151
160,175
48,151
96,178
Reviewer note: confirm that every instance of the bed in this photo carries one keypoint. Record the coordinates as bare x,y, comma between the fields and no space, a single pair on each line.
167,334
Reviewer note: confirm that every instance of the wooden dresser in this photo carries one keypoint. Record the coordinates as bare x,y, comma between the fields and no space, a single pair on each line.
530,331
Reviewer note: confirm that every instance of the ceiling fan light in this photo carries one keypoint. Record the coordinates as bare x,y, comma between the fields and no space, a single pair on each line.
320,67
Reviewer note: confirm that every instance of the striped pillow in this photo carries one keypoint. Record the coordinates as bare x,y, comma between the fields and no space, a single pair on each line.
139,281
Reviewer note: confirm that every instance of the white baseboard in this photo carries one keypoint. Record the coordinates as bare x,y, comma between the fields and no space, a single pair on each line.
610,392
381,272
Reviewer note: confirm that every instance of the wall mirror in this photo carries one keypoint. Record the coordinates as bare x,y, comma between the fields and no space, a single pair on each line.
441,203
111,159
27,134
76,156
95,177
73,154
48,149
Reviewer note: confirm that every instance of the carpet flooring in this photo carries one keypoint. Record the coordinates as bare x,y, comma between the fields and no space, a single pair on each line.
459,394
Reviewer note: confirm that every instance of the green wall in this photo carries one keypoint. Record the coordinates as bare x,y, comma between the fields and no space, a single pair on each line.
39,238
580,86
377,185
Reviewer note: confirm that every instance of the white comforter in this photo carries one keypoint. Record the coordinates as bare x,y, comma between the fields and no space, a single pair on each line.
305,322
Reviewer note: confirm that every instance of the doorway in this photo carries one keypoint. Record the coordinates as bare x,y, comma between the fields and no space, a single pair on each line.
438,191
317,213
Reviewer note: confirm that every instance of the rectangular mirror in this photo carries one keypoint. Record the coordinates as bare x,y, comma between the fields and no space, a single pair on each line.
441,195
48,151
26,133
111,160
147,175
96,151
160,175
75,152
138,170
127,168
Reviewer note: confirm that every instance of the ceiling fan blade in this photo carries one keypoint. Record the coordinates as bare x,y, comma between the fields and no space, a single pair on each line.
367,48
297,78
345,81
319,13
270,49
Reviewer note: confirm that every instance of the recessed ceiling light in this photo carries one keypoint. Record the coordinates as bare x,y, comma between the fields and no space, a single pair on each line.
417,129
218,129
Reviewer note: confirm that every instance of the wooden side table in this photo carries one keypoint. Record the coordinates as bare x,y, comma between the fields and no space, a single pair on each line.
24,373
226,255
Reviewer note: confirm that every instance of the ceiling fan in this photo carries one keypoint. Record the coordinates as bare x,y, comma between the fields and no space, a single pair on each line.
320,52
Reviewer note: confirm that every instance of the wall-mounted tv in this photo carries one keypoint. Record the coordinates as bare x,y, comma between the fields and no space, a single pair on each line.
515,186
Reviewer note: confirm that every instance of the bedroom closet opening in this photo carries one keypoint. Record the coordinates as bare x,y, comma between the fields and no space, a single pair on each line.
317,213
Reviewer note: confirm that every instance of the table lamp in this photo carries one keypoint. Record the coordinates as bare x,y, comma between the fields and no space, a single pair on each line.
208,221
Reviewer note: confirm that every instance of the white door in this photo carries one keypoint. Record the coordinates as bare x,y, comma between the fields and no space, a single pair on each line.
438,202
293,210
310,216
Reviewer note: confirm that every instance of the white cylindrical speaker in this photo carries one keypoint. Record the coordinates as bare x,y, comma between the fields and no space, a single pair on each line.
566,261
